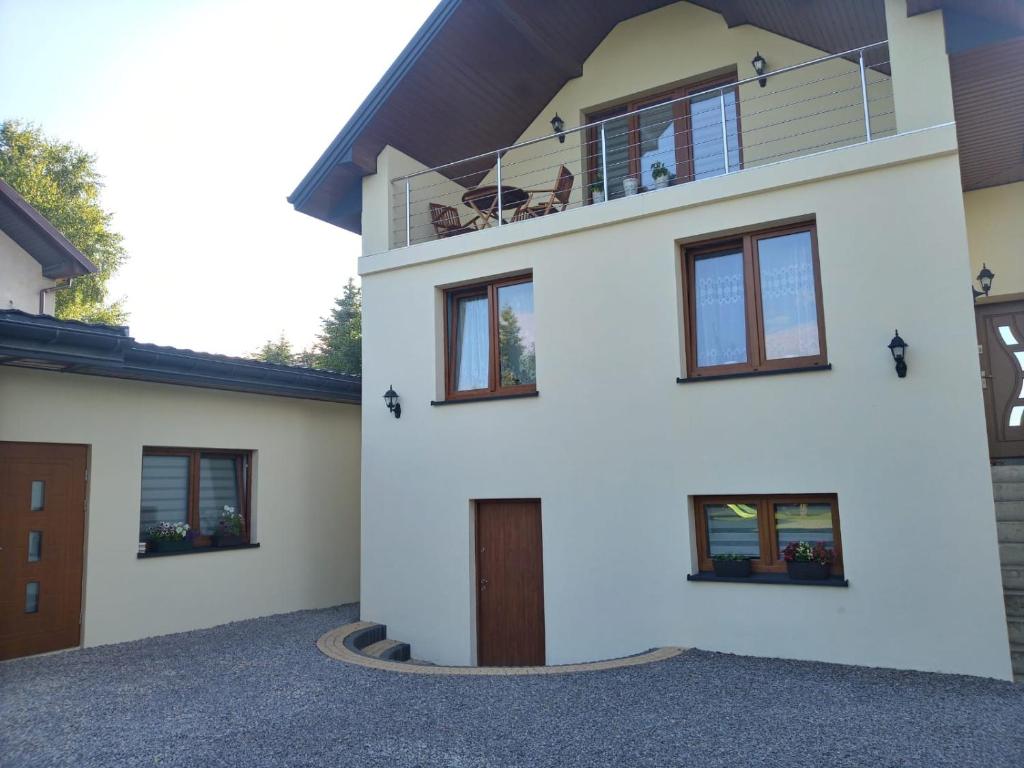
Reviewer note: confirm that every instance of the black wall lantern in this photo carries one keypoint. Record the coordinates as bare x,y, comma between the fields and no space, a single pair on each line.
391,398
558,124
984,280
898,347
760,66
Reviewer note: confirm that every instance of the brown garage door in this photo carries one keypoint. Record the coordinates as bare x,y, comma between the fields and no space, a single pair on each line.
510,584
42,524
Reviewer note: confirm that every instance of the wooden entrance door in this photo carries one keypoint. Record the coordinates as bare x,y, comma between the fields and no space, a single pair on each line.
1001,345
510,584
42,525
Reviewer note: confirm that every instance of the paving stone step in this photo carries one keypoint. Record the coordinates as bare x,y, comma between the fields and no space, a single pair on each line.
1016,631
1008,491
1014,601
1017,657
1013,577
1009,511
378,649
1011,532
1008,473
1011,554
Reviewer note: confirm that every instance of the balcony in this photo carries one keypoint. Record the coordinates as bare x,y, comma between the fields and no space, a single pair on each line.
726,127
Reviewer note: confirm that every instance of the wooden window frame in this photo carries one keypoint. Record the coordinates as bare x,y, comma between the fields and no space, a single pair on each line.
771,558
757,359
494,387
681,113
243,474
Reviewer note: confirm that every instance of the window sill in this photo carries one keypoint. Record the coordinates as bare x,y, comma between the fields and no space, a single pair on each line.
195,551
751,374
484,398
771,578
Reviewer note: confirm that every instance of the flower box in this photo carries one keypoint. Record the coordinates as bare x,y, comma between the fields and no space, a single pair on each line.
227,540
808,571
164,545
733,568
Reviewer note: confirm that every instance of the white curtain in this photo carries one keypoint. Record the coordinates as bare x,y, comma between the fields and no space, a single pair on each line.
721,310
788,301
473,345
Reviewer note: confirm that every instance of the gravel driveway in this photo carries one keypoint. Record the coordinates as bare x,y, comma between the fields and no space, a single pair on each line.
258,693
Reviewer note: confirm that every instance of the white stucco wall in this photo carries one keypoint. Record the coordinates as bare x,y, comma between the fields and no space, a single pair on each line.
305,498
995,232
21,279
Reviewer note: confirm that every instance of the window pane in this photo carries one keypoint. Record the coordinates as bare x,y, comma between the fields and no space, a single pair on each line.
472,343
788,301
706,121
657,142
38,495
732,529
616,135
164,491
218,488
720,310
35,546
803,522
32,597
516,328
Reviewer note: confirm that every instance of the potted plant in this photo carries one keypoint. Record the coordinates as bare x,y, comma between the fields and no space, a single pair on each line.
808,562
597,191
660,174
169,537
731,565
629,185
230,530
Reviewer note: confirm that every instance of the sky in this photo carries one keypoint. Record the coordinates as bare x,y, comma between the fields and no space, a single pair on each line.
203,116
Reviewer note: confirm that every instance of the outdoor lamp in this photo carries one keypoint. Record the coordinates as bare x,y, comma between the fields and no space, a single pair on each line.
898,347
558,124
760,66
984,280
391,398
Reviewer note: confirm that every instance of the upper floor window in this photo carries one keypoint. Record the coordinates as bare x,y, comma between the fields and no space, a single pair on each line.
683,134
754,303
489,339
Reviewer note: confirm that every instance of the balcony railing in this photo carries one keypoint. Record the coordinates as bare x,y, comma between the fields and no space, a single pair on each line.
833,101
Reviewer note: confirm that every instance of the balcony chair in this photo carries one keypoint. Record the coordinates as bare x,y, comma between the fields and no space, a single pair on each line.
447,222
558,198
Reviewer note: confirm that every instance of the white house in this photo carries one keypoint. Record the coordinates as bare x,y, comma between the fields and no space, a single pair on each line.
633,270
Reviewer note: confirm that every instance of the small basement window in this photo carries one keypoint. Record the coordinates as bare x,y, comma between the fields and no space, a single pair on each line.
209,490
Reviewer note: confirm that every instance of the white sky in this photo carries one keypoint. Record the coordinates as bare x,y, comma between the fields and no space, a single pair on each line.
204,115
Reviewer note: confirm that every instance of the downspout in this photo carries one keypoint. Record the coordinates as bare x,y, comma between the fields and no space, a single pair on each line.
52,289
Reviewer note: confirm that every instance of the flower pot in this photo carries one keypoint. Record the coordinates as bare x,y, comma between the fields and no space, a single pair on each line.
734,568
808,571
227,540
597,196
661,182
163,545
629,186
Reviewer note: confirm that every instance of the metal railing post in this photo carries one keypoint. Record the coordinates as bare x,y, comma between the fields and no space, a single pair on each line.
408,215
498,203
604,163
864,97
725,129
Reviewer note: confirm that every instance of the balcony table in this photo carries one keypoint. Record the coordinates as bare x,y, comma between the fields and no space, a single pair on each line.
484,201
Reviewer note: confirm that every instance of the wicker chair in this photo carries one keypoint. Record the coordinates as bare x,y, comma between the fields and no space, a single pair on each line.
558,198
446,221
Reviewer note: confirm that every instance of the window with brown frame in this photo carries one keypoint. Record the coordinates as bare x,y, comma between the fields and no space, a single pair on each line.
753,303
760,528
196,486
490,339
685,135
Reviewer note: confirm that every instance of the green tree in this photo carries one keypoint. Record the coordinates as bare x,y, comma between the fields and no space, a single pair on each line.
61,182
518,364
279,351
339,345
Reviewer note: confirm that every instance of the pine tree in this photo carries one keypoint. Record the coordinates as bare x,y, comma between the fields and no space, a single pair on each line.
339,345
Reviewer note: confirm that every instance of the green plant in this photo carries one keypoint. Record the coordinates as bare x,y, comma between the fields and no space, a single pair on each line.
729,556
805,552
658,170
230,522
169,532
597,185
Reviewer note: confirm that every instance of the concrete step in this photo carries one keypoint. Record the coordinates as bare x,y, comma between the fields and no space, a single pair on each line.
1011,532
1014,601
1010,511
389,650
1017,658
1011,554
1015,627
1008,491
1013,578
1008,473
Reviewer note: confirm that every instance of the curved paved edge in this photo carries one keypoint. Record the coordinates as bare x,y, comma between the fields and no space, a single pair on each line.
332,644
